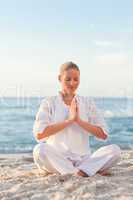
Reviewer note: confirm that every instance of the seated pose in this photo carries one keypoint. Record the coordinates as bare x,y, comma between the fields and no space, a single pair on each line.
62,127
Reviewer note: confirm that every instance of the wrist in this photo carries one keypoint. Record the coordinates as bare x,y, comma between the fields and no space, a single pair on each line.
69,121
79,120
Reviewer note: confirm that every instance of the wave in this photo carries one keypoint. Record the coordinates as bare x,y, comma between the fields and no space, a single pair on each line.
16,148
117,114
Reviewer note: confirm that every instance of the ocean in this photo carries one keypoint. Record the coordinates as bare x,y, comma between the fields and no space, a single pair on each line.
17,116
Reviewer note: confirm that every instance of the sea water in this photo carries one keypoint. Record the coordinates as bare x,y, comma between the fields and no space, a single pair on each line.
17,116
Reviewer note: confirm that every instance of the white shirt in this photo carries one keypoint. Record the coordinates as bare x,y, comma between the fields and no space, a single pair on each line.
73,138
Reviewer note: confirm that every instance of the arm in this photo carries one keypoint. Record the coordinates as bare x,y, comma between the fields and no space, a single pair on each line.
96,130
95,123
53,129
44,127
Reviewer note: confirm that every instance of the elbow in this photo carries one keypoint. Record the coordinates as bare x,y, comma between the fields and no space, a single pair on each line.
40,136
103,135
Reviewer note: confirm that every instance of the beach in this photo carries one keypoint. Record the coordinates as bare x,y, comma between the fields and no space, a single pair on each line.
21,180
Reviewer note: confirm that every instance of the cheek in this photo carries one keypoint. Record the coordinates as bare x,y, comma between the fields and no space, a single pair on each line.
77,83
65,84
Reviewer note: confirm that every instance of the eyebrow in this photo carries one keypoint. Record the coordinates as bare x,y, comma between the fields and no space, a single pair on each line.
71,77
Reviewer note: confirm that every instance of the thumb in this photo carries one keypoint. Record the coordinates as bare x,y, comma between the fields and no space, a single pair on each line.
73,101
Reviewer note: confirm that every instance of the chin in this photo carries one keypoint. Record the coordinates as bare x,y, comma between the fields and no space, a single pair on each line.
71,91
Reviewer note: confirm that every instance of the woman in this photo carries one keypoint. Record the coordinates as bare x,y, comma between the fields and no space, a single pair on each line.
62,127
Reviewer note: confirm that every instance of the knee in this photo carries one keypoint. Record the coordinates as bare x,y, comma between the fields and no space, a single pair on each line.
37,151
116,150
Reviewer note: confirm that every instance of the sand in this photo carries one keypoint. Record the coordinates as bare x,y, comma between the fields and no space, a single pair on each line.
20,179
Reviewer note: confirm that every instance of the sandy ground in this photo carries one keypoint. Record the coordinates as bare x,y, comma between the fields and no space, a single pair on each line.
20,179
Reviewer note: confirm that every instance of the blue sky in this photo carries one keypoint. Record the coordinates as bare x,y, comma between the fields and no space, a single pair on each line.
36,37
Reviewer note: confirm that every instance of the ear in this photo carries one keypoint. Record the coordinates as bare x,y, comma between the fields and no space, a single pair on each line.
59,77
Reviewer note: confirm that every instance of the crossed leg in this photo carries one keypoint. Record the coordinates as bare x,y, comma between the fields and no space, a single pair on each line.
48,159
101,160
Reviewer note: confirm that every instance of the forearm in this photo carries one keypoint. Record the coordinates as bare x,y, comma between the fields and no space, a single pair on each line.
53,129
95,130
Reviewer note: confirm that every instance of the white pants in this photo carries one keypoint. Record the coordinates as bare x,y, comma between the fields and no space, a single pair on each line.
48,159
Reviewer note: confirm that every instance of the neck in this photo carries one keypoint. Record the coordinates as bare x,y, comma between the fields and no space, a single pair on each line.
67,95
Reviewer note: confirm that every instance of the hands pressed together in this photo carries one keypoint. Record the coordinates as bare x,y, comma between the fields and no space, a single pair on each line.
74,116
74,111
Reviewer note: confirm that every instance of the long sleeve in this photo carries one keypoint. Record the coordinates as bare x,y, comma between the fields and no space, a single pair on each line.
43,119
95,116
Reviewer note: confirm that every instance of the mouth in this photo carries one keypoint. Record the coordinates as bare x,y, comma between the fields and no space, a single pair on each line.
71,88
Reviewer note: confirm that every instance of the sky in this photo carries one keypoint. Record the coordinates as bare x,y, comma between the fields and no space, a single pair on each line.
37,36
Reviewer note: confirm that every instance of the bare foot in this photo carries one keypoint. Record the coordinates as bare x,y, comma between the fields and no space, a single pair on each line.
104,173
81,173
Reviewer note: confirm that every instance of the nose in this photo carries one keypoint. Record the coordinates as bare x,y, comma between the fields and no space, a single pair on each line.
72,83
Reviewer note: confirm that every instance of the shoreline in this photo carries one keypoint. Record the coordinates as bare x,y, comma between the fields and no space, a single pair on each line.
15,154
20,179
30,154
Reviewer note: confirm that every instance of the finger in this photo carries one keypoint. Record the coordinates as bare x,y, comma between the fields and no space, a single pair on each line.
77,108
73,103
76,102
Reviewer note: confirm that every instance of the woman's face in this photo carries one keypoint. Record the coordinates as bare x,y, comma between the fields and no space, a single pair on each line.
70,80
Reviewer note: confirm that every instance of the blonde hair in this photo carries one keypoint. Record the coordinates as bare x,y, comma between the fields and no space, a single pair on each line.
68,65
